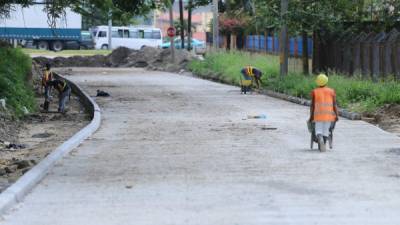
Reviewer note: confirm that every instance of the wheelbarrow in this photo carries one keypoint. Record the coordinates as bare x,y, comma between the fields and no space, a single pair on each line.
314,138
245,85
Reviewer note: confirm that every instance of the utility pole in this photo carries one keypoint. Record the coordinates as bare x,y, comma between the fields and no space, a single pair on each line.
182,30
189,31
215,25
283,45
171,24
155,18
109,29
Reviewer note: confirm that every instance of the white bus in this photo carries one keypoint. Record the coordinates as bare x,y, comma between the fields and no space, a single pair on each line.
130,37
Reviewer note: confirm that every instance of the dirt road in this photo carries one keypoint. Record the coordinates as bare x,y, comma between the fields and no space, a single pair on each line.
40,133
180,150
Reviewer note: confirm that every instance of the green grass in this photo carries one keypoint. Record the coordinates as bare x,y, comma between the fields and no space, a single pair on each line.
64,53
228,65
354,94
14,69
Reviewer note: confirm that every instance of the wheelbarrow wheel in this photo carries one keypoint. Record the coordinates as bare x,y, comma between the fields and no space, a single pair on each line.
321,144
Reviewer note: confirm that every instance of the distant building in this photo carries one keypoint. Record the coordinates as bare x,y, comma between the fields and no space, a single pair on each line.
201,17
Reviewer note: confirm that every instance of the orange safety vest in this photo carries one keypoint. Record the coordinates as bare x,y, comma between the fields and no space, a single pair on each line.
323,104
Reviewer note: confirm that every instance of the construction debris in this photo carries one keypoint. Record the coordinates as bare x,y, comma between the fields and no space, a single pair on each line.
101,93
42,135
3,104
5,145
258,116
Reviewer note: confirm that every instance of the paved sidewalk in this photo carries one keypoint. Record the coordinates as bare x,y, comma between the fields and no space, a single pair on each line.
175,150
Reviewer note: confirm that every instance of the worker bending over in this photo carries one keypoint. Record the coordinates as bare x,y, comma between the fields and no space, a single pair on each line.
64,93
323,109
251,73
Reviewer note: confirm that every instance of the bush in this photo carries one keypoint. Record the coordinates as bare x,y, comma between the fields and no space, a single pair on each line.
14,68
354,94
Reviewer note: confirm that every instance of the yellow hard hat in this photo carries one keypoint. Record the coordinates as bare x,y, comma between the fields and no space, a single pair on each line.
321,80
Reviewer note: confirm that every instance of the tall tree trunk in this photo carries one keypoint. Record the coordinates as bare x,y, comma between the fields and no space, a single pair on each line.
360,9
171,24
215,25
182,24
283,41
189,31
228,41
304,36
316,57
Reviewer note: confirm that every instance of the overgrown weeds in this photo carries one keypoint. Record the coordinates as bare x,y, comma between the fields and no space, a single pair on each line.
355,94
15,67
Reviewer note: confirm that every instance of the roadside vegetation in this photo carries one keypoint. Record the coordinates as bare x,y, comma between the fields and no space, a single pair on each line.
355,94
15,66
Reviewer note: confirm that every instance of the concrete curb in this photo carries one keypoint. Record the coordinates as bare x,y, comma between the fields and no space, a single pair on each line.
16,192
301,101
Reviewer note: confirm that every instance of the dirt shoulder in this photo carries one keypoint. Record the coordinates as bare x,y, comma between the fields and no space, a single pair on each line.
35,136
386,118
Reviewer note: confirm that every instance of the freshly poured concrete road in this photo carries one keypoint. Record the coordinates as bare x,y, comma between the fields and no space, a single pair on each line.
176,150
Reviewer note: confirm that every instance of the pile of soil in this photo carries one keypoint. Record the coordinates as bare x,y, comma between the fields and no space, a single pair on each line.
8,126
387,118
147,57
75,61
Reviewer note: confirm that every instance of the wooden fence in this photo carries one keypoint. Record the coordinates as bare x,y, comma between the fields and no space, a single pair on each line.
372,55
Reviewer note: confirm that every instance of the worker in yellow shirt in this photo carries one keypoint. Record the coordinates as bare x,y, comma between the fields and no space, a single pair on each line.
46,78
250,75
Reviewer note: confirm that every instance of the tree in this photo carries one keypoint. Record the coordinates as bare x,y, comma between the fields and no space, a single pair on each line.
304,17
122,10
190,7
182,27
6,6
179,28
189,26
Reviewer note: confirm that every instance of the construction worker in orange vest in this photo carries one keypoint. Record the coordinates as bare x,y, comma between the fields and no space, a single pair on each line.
323,110
46,78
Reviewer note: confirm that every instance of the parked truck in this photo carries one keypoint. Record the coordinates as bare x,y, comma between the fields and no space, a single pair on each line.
31,25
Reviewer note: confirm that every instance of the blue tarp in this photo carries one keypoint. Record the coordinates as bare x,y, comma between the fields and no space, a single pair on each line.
260,43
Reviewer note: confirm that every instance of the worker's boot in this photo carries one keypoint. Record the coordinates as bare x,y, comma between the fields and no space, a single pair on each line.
330,141
46,106
321,143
